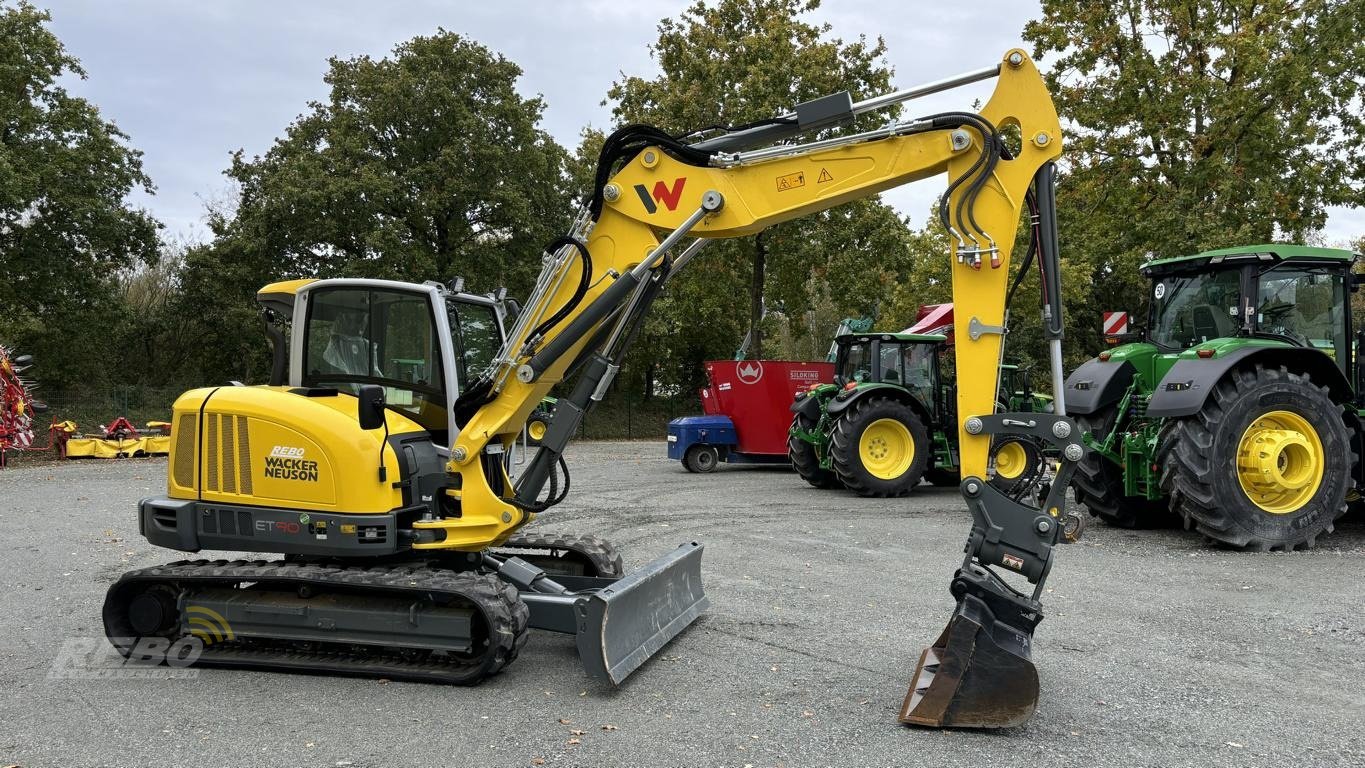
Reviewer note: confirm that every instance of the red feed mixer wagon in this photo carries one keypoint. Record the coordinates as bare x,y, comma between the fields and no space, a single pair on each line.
747,407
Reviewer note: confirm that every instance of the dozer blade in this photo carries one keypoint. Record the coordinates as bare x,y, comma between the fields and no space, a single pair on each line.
978,674
622,625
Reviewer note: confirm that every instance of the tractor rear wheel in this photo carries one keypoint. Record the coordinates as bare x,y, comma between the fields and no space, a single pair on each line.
879,447
804,458
1265,465
1098,482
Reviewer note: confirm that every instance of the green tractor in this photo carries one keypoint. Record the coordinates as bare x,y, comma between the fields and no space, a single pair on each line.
889,419
1238,408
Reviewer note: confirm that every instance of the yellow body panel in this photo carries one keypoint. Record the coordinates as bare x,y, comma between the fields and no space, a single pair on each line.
266,446
289,287
100,448
764,193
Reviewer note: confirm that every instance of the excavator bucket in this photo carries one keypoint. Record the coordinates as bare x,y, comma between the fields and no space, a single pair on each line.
978,674
620,626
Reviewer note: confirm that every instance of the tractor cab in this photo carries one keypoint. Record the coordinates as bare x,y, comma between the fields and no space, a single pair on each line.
911,361
421,342
1285,294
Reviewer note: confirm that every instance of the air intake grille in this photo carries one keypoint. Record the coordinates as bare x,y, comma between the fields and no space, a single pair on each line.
227,459
244,455
229,455
211,454
186,436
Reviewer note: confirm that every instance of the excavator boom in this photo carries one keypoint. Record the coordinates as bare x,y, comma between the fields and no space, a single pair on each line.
657,202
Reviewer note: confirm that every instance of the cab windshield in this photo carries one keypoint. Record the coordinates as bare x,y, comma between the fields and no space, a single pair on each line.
1191,309
359,336
855,363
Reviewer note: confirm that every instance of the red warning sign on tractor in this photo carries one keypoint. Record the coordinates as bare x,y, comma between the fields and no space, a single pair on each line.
1115,323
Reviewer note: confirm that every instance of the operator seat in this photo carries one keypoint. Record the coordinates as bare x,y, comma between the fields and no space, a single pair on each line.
347,354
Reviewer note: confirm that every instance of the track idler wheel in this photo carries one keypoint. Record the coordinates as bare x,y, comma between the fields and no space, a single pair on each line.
979,673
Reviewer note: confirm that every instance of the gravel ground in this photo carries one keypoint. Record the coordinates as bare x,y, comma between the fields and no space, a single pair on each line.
1157,651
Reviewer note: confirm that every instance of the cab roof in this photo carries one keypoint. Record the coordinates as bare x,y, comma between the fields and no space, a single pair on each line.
1262,252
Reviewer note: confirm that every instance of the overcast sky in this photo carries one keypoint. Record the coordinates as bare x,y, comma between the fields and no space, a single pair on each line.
192,81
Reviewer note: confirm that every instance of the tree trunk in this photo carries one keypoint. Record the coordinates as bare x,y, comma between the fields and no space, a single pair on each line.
756,297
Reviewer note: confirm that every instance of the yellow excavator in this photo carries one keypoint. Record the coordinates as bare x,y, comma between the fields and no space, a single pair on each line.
378,459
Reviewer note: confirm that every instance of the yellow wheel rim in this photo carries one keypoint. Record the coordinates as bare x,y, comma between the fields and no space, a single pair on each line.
886,449
1011,460
1280,462
536,430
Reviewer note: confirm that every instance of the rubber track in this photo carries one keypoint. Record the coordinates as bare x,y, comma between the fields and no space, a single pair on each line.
504,614
603,554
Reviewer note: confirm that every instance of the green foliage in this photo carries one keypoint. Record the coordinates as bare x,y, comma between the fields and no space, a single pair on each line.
732,63
1196,125
425,165
66,228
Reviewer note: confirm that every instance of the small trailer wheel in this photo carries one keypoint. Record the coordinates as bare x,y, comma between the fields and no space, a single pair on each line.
701,458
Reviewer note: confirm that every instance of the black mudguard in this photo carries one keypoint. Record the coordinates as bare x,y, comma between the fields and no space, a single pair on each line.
1096,385
841,403
1185,388
808,406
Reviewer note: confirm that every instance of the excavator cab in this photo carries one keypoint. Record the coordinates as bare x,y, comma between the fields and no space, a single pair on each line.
422,343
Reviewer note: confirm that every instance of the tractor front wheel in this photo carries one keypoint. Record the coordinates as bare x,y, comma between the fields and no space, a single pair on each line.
1265,465
879,447
1098,482
804,458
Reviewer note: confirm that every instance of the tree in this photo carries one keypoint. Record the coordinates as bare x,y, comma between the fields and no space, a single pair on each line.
424,165
728,64
1195,125
66,227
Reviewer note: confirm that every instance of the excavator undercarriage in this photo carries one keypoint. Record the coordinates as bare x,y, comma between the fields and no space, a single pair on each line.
443,617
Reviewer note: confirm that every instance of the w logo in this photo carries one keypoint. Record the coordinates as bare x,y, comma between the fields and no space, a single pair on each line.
209,626
669,196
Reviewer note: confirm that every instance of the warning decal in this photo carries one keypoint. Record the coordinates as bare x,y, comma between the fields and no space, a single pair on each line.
791,181
825,178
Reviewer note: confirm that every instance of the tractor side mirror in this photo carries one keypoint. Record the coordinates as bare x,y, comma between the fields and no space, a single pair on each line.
370,407
1357,279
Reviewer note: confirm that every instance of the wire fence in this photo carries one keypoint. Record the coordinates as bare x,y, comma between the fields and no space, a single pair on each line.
93,408
625,419
616,418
